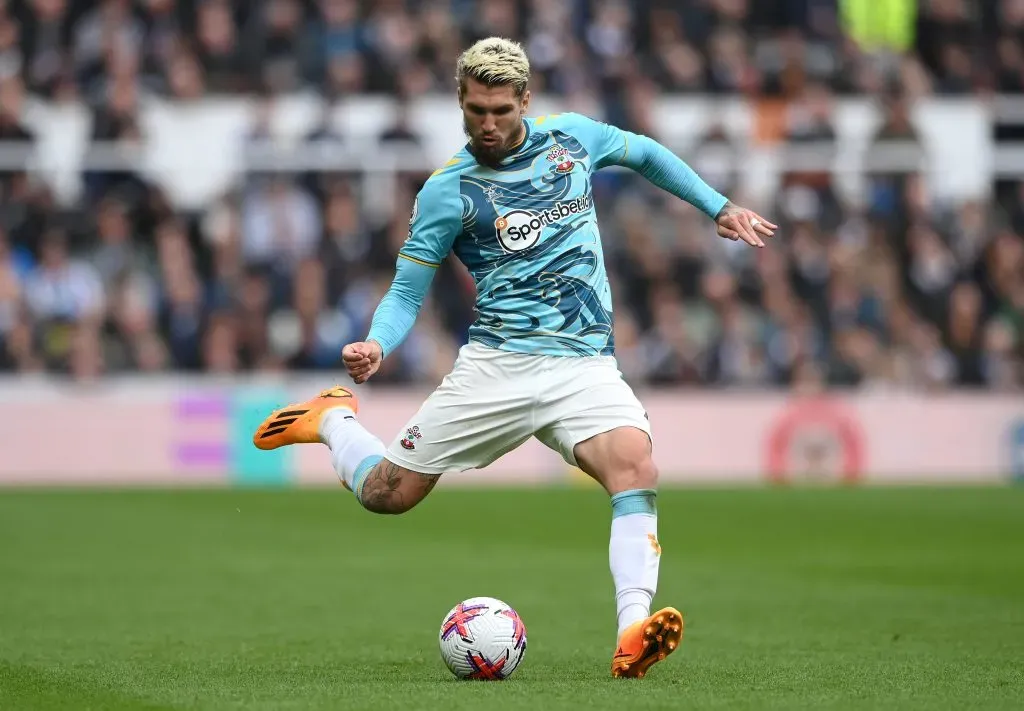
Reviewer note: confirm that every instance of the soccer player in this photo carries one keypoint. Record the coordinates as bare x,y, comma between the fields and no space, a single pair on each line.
515,206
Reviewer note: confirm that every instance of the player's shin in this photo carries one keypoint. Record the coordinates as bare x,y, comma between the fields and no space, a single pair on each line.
354,451
634,554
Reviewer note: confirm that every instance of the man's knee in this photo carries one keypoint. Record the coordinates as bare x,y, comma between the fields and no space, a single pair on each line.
619,459
637,473
391,489
645,473
626,475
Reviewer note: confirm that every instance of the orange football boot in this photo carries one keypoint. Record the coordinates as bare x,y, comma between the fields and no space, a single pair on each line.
647,642
300,424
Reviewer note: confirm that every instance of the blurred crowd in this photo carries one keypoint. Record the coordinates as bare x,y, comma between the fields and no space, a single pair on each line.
340,47
900,293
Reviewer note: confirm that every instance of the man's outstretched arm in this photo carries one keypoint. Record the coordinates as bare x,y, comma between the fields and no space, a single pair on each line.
610,145
670,173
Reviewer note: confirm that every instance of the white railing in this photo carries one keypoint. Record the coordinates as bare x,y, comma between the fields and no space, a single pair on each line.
197,151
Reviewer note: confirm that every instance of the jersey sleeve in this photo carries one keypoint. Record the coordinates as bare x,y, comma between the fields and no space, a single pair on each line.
435,222
610,145
397,311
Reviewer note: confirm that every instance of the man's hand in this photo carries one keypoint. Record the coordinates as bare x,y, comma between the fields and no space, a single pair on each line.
735,222
362,359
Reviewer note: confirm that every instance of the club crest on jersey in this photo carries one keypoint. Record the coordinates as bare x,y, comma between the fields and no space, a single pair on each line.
411,435
559,155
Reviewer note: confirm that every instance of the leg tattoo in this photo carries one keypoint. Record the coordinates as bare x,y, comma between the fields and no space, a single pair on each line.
383,490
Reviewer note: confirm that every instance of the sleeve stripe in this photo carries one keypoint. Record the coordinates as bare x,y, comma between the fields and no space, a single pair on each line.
419,261
625,139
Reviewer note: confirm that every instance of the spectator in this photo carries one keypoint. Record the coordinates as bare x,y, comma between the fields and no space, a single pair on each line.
183,317
277,46
185,77
964,334
110,27
62,293
902,290
11,59
340,36
249,320
164,32
321,332
10,300
12,99
281,224
220,344
45,38
218,50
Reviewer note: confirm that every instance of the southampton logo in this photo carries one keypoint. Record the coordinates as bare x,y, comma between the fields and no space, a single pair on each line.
560,157
411,435
521,229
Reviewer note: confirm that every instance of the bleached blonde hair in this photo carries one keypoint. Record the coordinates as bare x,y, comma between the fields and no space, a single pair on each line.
494,61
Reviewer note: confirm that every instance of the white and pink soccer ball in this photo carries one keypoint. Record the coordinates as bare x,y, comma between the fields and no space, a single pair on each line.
482,638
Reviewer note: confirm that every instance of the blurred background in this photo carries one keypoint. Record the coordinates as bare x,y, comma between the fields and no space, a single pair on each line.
201,202
221,186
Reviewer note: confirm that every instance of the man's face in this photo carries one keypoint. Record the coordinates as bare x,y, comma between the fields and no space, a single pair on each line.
492,117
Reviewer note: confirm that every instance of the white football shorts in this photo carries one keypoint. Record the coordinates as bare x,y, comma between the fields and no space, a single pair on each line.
495,400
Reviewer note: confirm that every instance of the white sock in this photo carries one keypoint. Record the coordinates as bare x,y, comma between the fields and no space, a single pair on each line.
354,451
634,555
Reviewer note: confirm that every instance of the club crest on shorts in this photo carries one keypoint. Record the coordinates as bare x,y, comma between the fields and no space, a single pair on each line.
411,435
559,155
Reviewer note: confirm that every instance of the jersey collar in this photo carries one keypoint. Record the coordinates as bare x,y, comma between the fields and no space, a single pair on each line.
526,139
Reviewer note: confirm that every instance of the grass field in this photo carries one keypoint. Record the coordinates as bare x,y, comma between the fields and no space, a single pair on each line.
242,599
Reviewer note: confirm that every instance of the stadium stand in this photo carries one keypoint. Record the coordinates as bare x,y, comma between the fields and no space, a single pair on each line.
270,254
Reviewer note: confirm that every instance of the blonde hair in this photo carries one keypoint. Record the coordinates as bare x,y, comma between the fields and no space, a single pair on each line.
494,61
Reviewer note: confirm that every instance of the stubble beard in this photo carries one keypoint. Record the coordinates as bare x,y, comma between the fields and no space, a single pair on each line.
490,156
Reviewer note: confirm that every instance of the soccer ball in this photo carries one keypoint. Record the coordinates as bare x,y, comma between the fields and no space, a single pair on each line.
482,638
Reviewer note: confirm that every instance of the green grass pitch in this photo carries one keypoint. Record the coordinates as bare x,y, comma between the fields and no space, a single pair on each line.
245,599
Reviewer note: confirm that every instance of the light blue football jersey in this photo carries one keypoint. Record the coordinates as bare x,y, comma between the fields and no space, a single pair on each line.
527,232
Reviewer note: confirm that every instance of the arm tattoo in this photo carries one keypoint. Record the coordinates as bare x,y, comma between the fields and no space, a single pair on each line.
730,208
381,489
